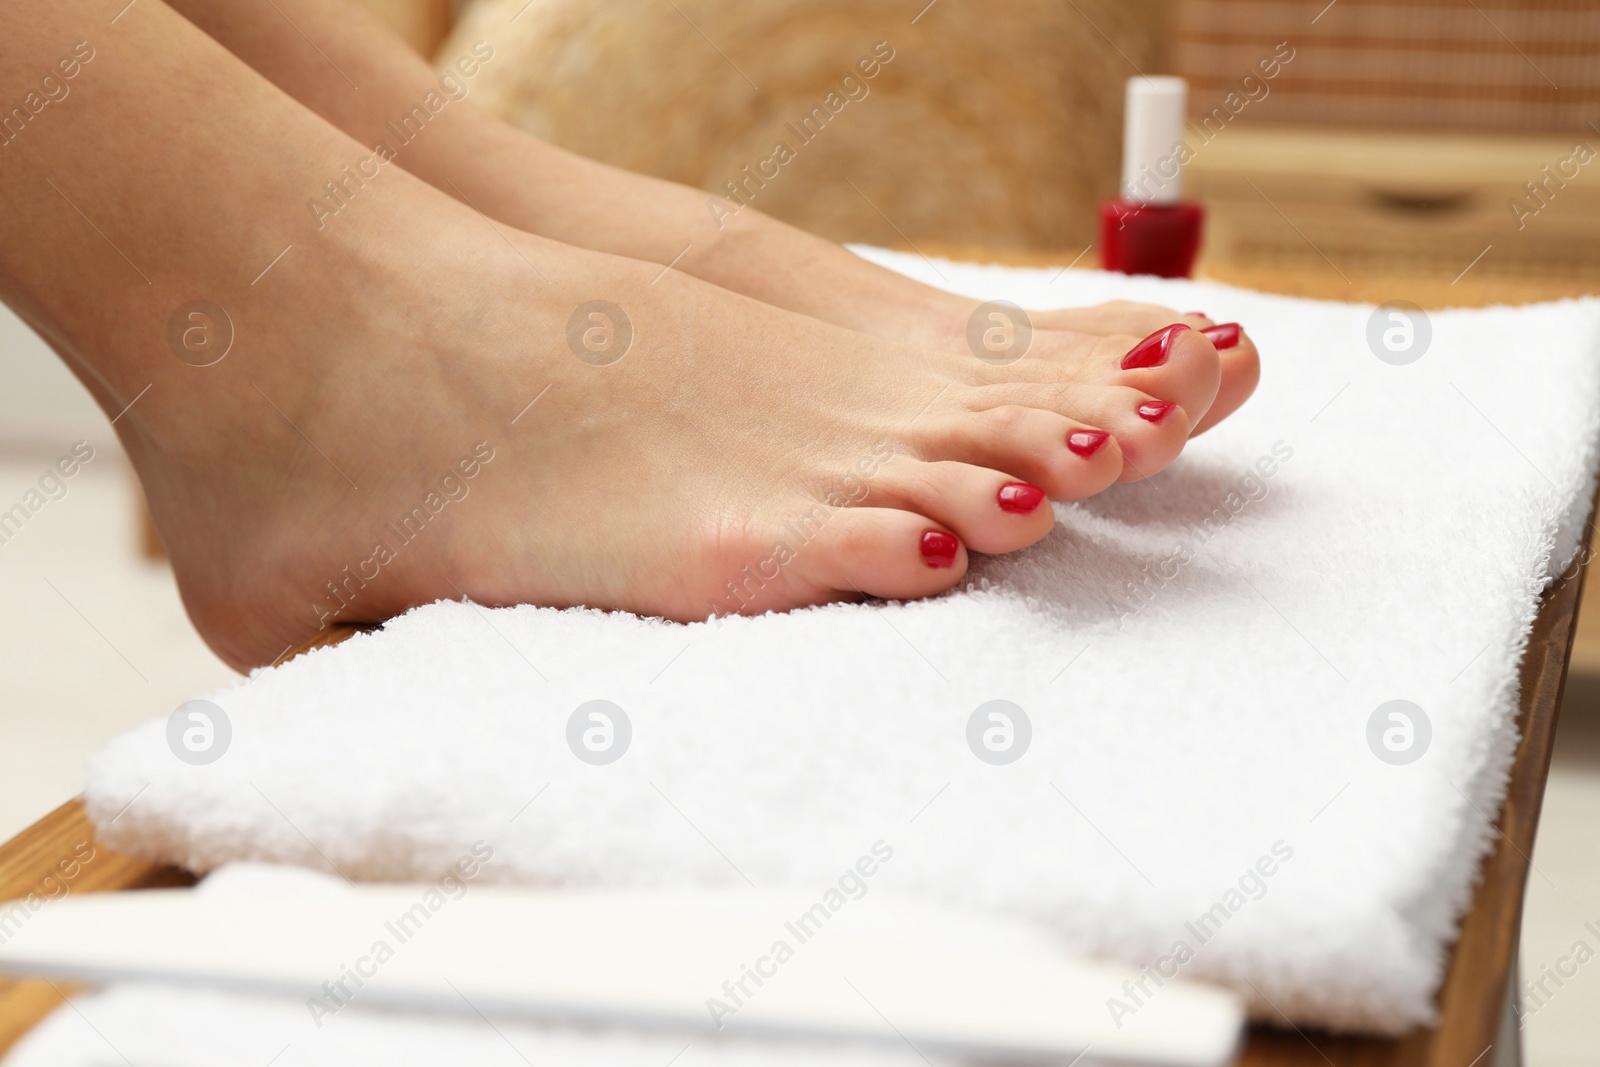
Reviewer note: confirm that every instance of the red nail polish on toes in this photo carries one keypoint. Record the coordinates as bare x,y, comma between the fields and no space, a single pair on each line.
1086,443
1153,350
1223,337
1020,498
939,548
1156,410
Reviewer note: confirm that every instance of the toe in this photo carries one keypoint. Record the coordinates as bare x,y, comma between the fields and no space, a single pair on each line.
883,552
1067,458
1240,371
989,511
1093,344
1173,363
1150,431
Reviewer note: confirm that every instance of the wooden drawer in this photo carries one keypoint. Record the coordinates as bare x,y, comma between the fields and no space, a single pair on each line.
1364,202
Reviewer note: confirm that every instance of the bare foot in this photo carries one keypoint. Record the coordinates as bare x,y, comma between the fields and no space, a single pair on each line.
687,451
418,403
541,189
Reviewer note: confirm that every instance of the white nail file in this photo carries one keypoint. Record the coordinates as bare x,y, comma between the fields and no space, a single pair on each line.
757,964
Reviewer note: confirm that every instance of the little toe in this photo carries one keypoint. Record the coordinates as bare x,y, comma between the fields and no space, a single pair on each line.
989,510
882,552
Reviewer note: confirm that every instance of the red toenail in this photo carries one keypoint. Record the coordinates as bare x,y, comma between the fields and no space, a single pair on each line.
939,548
1155,410
1195,315
1018,497
1224,337
1087,442
1153,350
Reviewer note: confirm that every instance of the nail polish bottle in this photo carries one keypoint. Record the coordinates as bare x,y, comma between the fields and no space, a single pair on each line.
1150,229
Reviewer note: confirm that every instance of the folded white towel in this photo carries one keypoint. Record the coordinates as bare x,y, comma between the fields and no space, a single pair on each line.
1208,785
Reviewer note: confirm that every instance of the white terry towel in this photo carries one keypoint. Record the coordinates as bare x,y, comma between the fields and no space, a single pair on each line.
1199,659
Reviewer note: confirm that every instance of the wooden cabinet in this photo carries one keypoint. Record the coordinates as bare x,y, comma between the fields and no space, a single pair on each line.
1436,217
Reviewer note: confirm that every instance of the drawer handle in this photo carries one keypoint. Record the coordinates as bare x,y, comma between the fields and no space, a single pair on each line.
1422,201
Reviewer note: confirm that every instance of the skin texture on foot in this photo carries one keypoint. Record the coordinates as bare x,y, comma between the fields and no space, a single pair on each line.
541,189
735,458
407,401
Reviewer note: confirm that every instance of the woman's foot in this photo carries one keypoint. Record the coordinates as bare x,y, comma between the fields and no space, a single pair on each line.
346,393
758,256
431,411
541,189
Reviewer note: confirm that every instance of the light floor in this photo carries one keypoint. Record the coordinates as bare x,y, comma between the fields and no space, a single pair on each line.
95,640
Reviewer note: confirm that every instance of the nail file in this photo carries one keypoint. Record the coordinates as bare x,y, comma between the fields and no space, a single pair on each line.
880,969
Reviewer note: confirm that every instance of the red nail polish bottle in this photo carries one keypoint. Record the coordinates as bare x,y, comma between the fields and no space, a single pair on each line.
1150,229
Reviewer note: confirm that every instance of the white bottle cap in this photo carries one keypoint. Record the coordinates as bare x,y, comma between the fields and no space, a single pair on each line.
1152,140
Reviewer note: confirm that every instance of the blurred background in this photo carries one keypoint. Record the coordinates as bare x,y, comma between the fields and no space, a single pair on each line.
1445,152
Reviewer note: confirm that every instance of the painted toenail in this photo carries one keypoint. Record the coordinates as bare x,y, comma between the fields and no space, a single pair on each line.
1224,337
1019,498
939,548
1155,410
1195,315
1153,350
1087,442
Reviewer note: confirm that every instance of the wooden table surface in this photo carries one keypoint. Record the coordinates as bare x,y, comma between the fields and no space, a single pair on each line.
1470,1000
